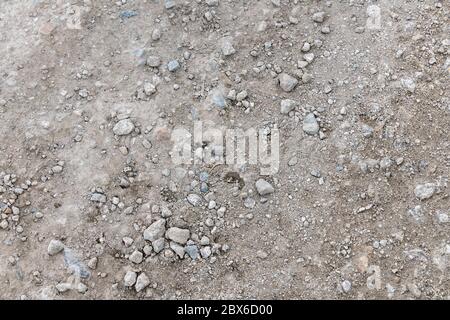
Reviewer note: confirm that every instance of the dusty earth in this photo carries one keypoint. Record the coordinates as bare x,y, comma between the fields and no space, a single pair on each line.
93,206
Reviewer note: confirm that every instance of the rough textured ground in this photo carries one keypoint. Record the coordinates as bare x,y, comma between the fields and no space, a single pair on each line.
360,206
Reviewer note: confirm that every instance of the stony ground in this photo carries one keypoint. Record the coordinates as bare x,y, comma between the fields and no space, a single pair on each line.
93,207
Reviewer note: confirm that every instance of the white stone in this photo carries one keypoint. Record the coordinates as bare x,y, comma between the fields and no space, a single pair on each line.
263,187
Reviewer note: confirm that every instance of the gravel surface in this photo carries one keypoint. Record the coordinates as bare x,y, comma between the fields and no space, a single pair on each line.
105,191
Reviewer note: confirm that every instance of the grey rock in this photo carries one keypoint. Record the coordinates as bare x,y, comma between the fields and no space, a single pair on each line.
142,282
366,130
156,34
315,173
169,4
302,64
408,84
136,257
293,161
287,82
128,14
129,279
173,65
57,169
55,247
276,3
205,252
306,47
63,287
204,187
241,95
154,61
263,187
178,249
178,235
309,57
92,263
204,241
149,89
287,105
307,77
261,254
227,47
74,263
218,99
319,17
147,250
346,286
425,191
417,213
212,3
158,245
192,251
123,127
81,287
98,197
231,95
249,203
310,124
155,231
166,212
194,199
443,217
204,176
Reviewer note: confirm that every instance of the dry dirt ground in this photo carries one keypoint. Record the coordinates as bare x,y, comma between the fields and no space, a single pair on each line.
93,206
